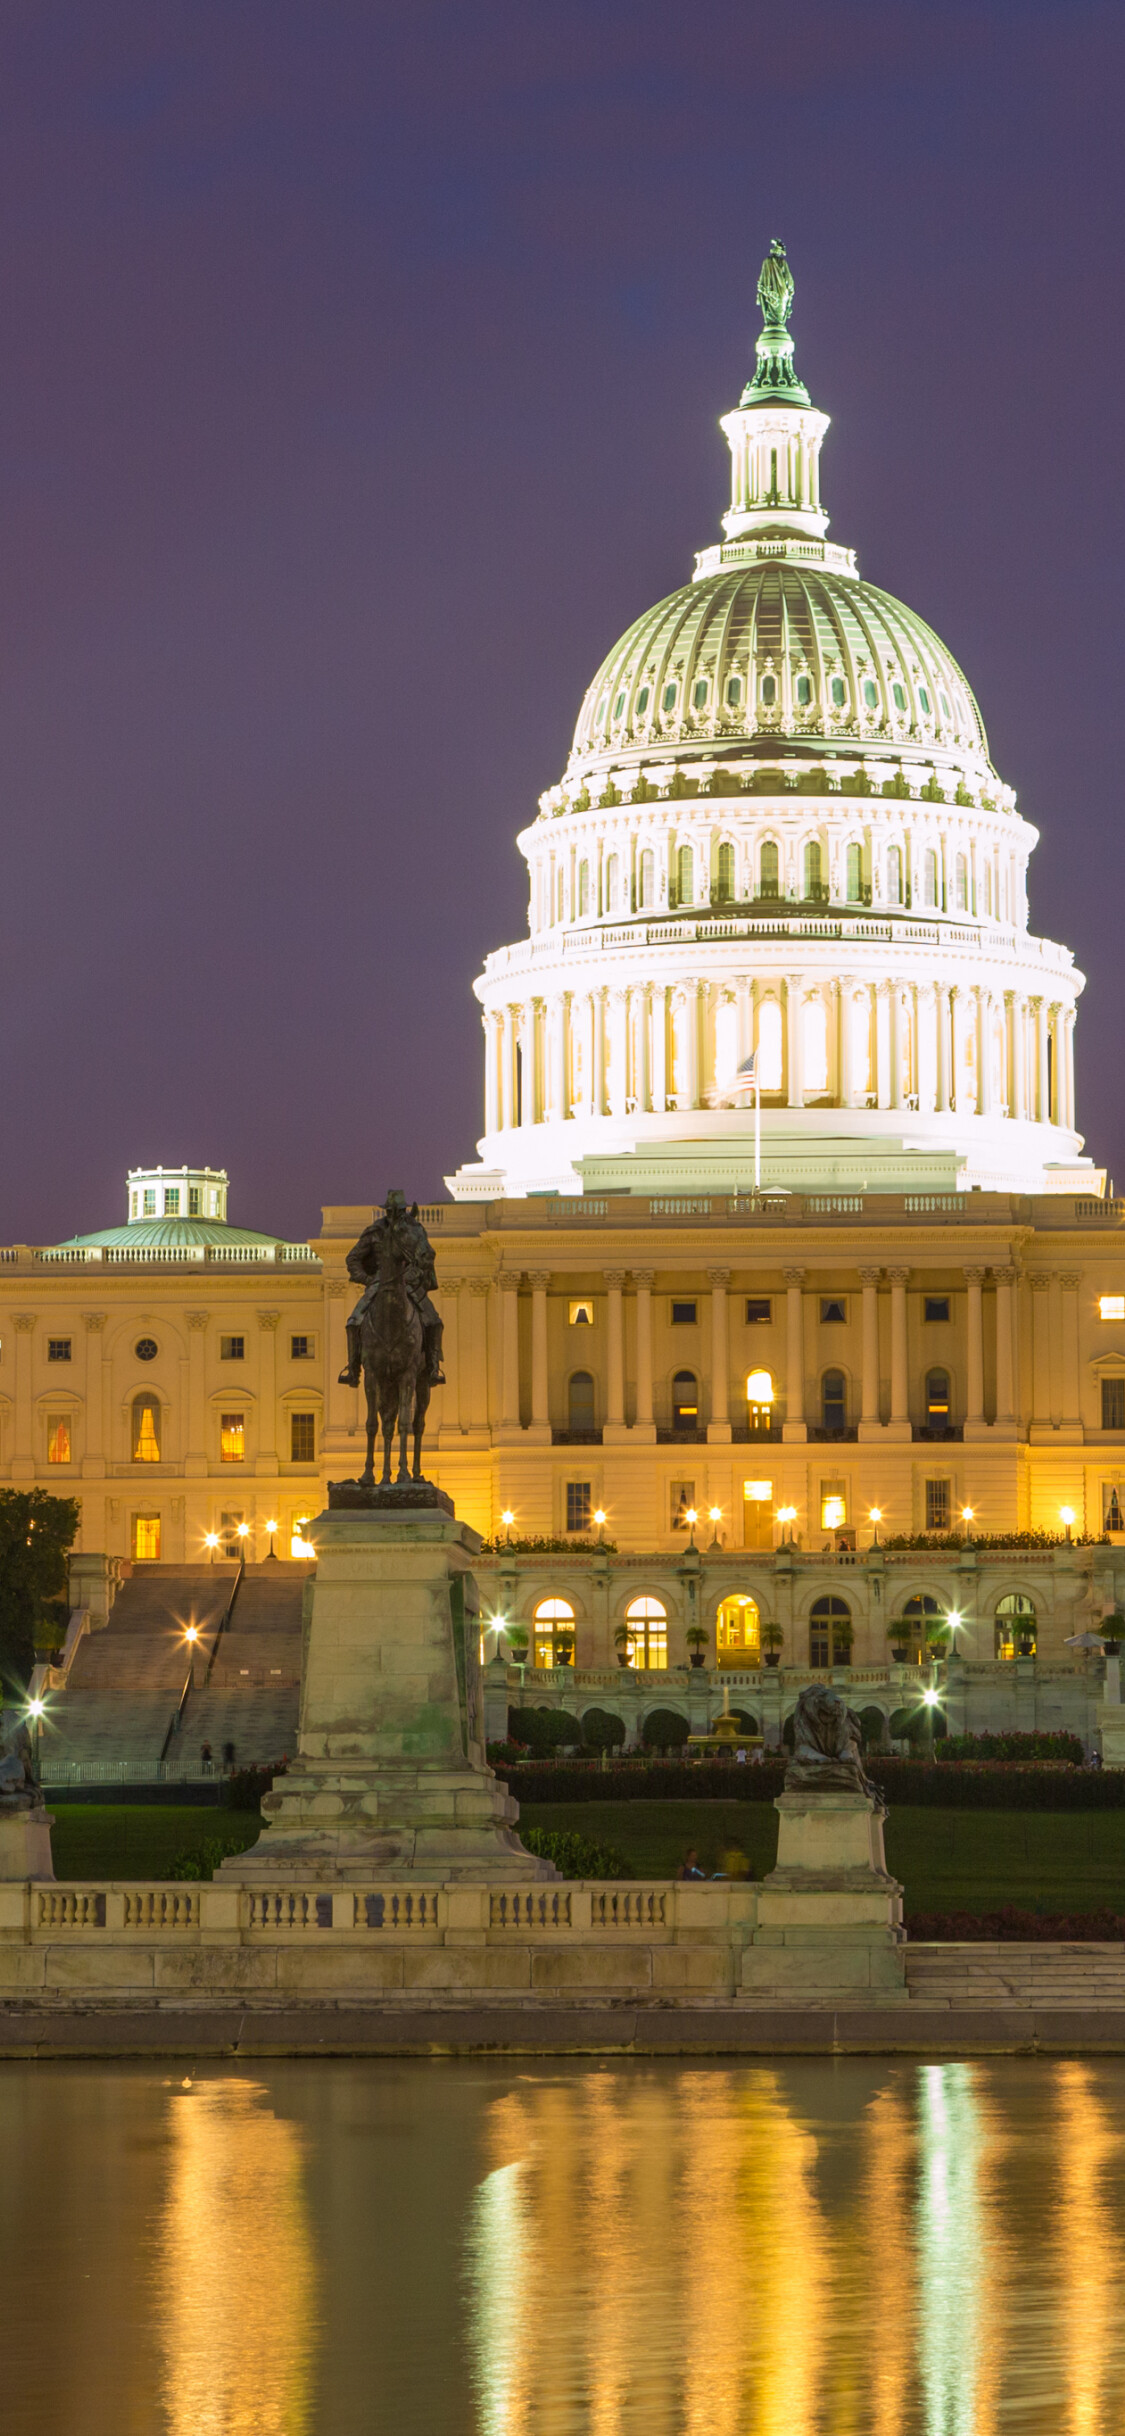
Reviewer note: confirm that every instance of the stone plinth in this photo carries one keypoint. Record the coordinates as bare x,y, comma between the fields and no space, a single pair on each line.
829,1923
390,1777
1111,1732
25,1843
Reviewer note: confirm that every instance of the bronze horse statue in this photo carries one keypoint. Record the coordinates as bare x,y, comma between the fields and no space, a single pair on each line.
395,1369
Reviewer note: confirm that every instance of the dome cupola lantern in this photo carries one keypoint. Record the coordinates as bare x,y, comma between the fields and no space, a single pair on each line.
775,432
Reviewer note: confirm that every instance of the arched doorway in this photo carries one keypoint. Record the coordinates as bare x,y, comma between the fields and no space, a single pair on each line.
554,1633
1016,1626
830,1632
646,1622
738,1635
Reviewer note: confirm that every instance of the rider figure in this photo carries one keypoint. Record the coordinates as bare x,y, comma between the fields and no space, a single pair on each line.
421,1281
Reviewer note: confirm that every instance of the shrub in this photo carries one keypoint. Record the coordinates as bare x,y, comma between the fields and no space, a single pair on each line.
665,1730
603,1731
928,1783
202,1860
543,1730
1011,1925
245,1786
574,1855
1066,1749
548,1547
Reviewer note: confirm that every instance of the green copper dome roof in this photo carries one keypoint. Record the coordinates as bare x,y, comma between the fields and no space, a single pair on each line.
178,1234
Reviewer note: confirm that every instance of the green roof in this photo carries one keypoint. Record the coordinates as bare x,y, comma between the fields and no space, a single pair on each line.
176,1233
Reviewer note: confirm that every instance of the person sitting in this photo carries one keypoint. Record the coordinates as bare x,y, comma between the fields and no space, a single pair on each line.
689,1866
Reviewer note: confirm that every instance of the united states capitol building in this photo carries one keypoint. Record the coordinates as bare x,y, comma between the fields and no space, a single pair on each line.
781,1248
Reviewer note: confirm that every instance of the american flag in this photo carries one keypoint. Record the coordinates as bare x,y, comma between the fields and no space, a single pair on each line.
747,1075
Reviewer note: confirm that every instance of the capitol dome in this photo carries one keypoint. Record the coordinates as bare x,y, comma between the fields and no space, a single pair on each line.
778,923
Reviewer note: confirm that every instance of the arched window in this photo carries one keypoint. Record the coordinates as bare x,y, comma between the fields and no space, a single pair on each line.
146,1429
648,880
961,884
554,1633
894,875
838,692
769,1045
734,692
767,886
1016,1632
583,889
937,1403
685,876
668,698
769,691
804,692
760,1402
812,868
834,1403
929,877
612,882
919,1617
580,1405
898,696
870,694
646,1622
738,1632
699,694
855,875
642,701
685,1402
830,1632
814,1045
725,888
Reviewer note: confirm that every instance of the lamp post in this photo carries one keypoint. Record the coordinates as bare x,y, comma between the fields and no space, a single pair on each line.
271,1527
787,1516
715,1516
507,1518
211,1542
691,1518
1066,1517
599,1518
968,1517
36,1710
243,1534
875,1516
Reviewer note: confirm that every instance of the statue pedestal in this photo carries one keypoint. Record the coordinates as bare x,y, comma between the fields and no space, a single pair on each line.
390,1779
829,1917
25,1843
1111,1731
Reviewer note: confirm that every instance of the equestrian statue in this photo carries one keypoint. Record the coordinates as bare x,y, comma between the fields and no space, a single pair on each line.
394,1333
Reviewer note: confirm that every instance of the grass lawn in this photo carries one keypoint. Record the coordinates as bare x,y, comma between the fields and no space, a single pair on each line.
947,1860
130,1840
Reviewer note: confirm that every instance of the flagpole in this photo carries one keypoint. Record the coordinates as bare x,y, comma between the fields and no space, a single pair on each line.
757,1134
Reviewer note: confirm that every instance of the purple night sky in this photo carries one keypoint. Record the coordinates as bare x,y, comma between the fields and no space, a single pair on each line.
359,374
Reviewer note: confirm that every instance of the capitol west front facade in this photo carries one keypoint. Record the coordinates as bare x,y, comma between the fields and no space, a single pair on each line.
779,838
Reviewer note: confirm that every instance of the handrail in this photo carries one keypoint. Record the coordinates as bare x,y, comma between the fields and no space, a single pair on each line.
224,1619
175,1722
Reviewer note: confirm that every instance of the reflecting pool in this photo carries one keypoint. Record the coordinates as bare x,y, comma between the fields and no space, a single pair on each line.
563,2249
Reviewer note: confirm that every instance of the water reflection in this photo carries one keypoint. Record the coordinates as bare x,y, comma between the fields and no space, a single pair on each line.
234,2285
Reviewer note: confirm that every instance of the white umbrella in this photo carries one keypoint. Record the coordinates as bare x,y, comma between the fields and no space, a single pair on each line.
1084,1640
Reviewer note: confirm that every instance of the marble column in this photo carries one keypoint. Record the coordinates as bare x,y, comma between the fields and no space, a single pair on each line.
93,1454
974,1353
452,1312
540,1378
615,1353
1066,1067
1042,1093
869,1411
944,1047
618,1062
894,1041
644,1426
268,1325
528,1028
984,1053
508,1285
658,1055
793,995
491,1069
845,1084
1070,1281
599,1053
794,1425
1018,1019
23,1458
509,1113
719,1426
899,1424
474,1392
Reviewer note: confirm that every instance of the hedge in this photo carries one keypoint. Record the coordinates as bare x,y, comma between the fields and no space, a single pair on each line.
1062,1747
987,1785
1009,1925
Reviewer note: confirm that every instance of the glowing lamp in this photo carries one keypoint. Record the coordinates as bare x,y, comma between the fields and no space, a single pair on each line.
715,1513
930,1699
36,1708
691,1516
967,1513
1066,1515
271,1528
787,1514
210,1539
599,1516
834,1513
191,1632
953,1619
875,1514
507,1518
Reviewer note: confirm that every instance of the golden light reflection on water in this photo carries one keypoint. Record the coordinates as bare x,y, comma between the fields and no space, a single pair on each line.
1089,2255
955,2244
234,2278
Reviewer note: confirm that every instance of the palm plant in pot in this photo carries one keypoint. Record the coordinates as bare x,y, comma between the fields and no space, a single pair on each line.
1112,1629
697,1642
623,1644
901,1637
772,1641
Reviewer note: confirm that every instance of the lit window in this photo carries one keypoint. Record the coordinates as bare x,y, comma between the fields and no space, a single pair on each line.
758,1309
1112,1306
579,1505
759,1398
939,1505
757,1514
581,1315
58,1349
839,693
150,1201
232,1437
937,1401
832,1308
830,1632
171,1201
554,1633
146,1430
647,1625
301,1348
738,1632
683,1315
894,875
961,884
58,1438
1113,1403
232,1349
685,1401
302,1437
1113,1506
298,1544
1015,1626
833,1505
194,1201
146,1539
930,877
681,1494
612,884
936,1307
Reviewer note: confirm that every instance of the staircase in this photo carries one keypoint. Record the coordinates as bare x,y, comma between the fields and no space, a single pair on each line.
1089,1976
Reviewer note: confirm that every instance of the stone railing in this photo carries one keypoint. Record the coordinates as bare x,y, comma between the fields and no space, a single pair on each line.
38,1913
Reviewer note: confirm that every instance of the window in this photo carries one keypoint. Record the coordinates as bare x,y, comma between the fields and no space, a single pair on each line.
669,700
936,1307
725,889
759,1402
757,1513
894,875
145,1349
870,694
758,1309
1015,1626
619,706
734,692
146,1430
581,1314
583,888
681,1496
830,1632
937,1402
579,1505
839,693
150,1201
194,1202
58,1437
939,1504
580,1405
171,1201
833,1403
812,868
1113,1403
929,877
804,692
943,699
302,1437
833,1308
648,881
58,1349
146,1539
855,875
833,1505
298,1544
898,697
961,884
302,1348
685,876
699,695
685,1401
769,691
924,700
683,1315
738,1632
554,1633
232,1349
647,1623
642,700
612,883
232,1437
229,1540
1111,1306
1113,1506
769,881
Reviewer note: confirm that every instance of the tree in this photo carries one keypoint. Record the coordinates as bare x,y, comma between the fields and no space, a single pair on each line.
36,1531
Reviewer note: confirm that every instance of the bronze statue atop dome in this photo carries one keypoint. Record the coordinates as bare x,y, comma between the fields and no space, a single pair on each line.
775,287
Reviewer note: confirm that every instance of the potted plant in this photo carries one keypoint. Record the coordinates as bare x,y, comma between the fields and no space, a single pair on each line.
1112,1629
843,1637
772,1640
621,1642
564,1649
1027,1644
697,1642
899,1636
516,1638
